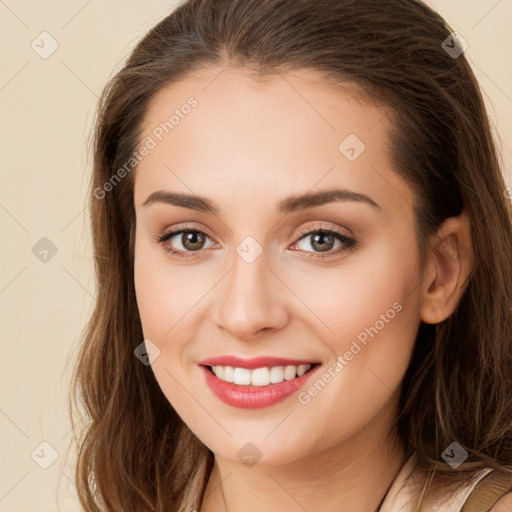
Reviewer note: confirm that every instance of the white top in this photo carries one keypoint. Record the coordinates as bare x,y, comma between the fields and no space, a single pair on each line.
405,491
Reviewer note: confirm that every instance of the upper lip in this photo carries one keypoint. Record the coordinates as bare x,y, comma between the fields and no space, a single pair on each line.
254,362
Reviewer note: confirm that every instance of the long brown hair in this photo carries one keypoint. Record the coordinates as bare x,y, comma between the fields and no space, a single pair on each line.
135,453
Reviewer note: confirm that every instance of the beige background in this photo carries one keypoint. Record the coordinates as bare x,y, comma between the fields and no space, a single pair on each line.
47,107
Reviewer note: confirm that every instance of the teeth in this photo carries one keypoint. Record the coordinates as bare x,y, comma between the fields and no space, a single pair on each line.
302,369
228,373
241,376
259,376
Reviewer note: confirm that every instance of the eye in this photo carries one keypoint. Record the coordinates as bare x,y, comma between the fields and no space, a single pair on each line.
317,242
184,242
320,241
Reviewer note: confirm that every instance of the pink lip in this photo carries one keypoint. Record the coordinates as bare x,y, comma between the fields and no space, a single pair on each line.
252,363
254,397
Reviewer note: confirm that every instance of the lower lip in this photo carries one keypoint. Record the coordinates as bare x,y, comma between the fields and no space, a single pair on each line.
254,397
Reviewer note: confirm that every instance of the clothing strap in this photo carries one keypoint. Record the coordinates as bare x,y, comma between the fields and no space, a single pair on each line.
488,492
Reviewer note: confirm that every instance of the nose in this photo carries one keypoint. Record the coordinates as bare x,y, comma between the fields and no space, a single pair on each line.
251,300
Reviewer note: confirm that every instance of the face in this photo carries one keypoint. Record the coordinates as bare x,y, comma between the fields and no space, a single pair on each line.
259,263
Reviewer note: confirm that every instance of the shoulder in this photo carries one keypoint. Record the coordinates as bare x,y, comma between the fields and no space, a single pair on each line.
504,504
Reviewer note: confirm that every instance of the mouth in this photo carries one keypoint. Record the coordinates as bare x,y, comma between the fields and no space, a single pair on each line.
258,387
259,377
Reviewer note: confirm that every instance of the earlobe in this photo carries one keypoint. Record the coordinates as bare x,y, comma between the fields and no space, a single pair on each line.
450,262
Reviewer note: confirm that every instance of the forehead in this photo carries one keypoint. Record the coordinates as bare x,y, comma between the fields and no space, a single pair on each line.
282,132
231,92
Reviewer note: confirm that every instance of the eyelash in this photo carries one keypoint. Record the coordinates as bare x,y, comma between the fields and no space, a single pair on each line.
349,243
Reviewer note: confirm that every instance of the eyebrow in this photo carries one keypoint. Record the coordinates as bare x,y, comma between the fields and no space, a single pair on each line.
289,205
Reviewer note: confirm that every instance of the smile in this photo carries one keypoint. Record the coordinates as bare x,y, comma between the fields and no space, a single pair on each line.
257,386
259,376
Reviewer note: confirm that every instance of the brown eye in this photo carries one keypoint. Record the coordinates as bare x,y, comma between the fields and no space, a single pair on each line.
193,240
184,241
323,242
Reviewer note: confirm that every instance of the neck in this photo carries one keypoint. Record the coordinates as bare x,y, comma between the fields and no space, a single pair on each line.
353,475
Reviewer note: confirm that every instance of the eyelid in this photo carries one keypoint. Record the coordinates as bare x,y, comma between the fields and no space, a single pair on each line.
305,231
174,230
319,226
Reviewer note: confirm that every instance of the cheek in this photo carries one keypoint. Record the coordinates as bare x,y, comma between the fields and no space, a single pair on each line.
149,283
165,292
369,316
165,295
367,288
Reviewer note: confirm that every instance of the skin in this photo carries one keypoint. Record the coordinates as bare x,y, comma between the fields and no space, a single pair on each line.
247,145
504,504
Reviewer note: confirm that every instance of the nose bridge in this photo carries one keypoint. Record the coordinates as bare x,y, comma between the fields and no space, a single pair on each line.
249,301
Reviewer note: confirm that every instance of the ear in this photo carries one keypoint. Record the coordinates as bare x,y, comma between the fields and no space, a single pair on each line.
450,261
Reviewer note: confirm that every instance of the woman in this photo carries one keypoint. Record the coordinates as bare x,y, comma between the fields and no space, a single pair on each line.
302,248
